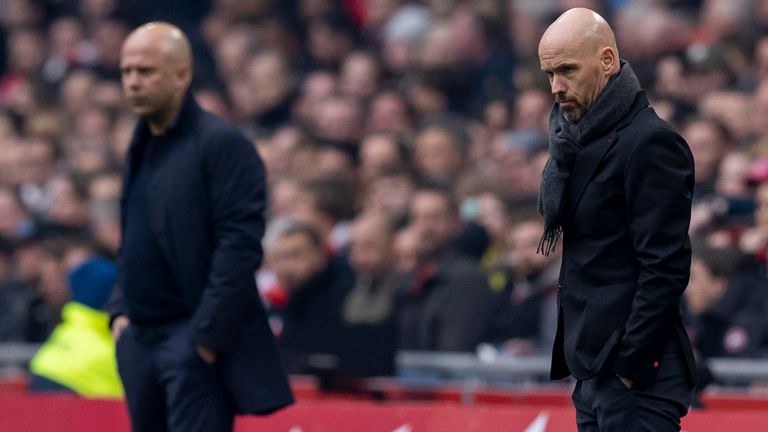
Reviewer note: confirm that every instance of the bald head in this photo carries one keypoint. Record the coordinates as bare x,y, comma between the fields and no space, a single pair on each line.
167,39
581,30
156,68
578,52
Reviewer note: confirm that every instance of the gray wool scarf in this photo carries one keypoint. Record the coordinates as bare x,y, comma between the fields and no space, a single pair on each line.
567,139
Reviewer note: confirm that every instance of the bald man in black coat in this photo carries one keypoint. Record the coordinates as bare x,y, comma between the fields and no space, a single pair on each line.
618,188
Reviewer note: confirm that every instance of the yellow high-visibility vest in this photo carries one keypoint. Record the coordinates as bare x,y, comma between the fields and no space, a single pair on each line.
80,354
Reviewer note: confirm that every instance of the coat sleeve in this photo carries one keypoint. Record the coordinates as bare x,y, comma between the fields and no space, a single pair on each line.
236,183
115,306
658,183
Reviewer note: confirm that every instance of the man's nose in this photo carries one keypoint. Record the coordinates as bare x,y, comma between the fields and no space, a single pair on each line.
131,79
557,86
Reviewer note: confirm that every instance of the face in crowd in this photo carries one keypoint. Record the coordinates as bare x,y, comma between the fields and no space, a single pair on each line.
370,246
435,220
297,256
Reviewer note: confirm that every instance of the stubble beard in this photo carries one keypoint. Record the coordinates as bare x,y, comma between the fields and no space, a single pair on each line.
572,116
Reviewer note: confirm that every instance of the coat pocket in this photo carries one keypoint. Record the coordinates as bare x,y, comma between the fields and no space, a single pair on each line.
595,323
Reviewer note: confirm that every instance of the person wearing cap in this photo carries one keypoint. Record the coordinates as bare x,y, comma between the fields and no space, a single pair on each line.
79,356
618,189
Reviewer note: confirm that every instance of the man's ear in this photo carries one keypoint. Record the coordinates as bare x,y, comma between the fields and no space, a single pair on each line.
185,75
608,59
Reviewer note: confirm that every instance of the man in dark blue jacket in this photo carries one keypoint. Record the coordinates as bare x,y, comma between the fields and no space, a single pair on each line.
193,344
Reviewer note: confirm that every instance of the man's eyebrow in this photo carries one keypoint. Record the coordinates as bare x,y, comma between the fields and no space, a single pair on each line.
562,66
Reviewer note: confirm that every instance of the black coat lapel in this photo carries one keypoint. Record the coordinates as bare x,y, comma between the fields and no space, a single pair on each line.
588,159
583,169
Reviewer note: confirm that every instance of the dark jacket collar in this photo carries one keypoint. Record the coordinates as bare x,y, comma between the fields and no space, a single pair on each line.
186,117
588,159
640,103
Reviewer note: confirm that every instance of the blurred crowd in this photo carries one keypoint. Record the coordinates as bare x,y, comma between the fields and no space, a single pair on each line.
404,143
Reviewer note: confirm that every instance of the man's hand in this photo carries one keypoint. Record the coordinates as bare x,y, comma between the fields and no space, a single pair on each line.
118,325
208,355
628,383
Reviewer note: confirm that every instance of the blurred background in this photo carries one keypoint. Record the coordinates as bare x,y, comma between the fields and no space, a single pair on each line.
404,142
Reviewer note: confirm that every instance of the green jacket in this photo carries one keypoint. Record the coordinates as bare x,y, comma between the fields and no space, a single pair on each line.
80,354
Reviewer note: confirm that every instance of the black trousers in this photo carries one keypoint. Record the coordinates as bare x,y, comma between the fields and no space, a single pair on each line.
604,404
168,387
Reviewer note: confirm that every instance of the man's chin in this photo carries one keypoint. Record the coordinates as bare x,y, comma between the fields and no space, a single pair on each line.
572,116
140,110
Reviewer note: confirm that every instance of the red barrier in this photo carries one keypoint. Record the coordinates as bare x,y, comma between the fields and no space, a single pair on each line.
25,413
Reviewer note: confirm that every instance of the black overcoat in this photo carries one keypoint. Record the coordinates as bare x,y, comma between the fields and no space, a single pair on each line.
626,251
207,201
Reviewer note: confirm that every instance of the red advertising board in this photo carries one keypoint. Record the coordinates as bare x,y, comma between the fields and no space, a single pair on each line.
356,416
25,413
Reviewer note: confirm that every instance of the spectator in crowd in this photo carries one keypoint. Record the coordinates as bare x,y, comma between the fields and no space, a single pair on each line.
271,88
315,285
732,108
531,110
288,194
360,76
760,109
709,143
525,320
390,112
13,298
15,221
39,166
66,211
378,153
488,65
369,309
338,121
333,162
731,205
406,246
108,35
447,302
489,210
40,265
514,163
390,192
232,48
328,206
331,37
440,151
317,87
726,303
402,34
439,65
104,211
79,356
754,241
